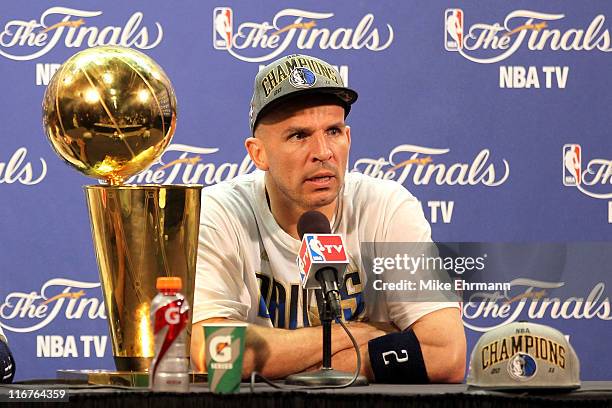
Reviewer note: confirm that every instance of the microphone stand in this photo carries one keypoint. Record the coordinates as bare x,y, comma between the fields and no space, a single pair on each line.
326,375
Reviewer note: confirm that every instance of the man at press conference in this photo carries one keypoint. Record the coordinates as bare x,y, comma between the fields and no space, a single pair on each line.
249,241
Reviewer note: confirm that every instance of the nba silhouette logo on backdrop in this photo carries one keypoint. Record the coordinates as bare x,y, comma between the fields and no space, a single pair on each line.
223,21
453,29
572,164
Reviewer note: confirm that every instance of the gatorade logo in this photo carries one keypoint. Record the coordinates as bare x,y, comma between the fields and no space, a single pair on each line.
172,315
220,349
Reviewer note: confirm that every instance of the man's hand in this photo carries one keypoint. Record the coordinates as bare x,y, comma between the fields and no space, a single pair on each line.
346,360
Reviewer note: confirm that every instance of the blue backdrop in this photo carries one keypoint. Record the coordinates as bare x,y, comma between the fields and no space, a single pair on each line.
507,103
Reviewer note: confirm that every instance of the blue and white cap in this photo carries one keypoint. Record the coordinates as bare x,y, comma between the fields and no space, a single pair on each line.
296,75
523,356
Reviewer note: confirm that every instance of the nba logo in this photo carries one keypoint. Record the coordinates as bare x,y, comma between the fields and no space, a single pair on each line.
223,22
304,262
572,164
453,29
316,248
301,264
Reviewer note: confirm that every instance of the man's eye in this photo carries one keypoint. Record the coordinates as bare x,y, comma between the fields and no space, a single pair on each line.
297,136
334,131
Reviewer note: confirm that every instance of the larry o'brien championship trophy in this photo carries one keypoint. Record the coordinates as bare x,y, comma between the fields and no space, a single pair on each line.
110,112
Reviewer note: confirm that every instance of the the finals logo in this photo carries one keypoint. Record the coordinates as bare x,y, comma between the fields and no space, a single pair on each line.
487,43
260,41
29,39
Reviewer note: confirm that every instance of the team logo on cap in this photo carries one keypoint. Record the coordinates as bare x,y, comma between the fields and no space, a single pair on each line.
302,77
522,366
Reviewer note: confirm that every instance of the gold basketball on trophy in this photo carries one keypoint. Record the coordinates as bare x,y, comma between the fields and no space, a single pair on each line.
109,112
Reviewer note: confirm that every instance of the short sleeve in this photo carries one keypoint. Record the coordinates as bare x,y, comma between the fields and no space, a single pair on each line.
406,223
220,289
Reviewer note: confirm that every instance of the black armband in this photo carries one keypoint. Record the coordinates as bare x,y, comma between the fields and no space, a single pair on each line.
396,358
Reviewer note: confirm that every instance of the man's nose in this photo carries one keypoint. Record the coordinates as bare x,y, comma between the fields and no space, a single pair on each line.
321,150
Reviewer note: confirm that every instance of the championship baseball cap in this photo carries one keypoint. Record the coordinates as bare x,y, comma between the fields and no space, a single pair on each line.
524,356
292,76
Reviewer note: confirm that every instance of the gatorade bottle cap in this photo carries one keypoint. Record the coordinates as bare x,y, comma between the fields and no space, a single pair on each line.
169,283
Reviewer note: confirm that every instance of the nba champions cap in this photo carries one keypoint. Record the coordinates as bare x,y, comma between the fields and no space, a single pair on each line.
524,356
295,75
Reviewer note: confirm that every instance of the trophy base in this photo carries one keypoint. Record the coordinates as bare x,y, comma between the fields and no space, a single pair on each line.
121,378
132,363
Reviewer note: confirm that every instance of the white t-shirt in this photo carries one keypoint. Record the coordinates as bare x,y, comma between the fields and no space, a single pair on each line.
246,267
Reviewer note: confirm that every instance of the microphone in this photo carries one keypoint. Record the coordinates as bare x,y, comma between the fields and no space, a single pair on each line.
322,258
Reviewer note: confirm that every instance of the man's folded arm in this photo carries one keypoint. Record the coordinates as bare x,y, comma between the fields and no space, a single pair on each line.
442,340
277,353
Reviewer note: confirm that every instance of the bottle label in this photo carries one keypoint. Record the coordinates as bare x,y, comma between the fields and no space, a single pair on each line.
174,317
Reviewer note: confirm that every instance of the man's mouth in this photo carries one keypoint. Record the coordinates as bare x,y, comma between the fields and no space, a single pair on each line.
322,180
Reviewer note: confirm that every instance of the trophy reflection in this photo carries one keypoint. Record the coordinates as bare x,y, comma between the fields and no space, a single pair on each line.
110,112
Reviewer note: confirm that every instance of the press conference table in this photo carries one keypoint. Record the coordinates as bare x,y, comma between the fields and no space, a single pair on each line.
592,394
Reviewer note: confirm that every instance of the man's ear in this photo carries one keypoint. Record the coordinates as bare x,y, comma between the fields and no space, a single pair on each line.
348,134
348,138
257,152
